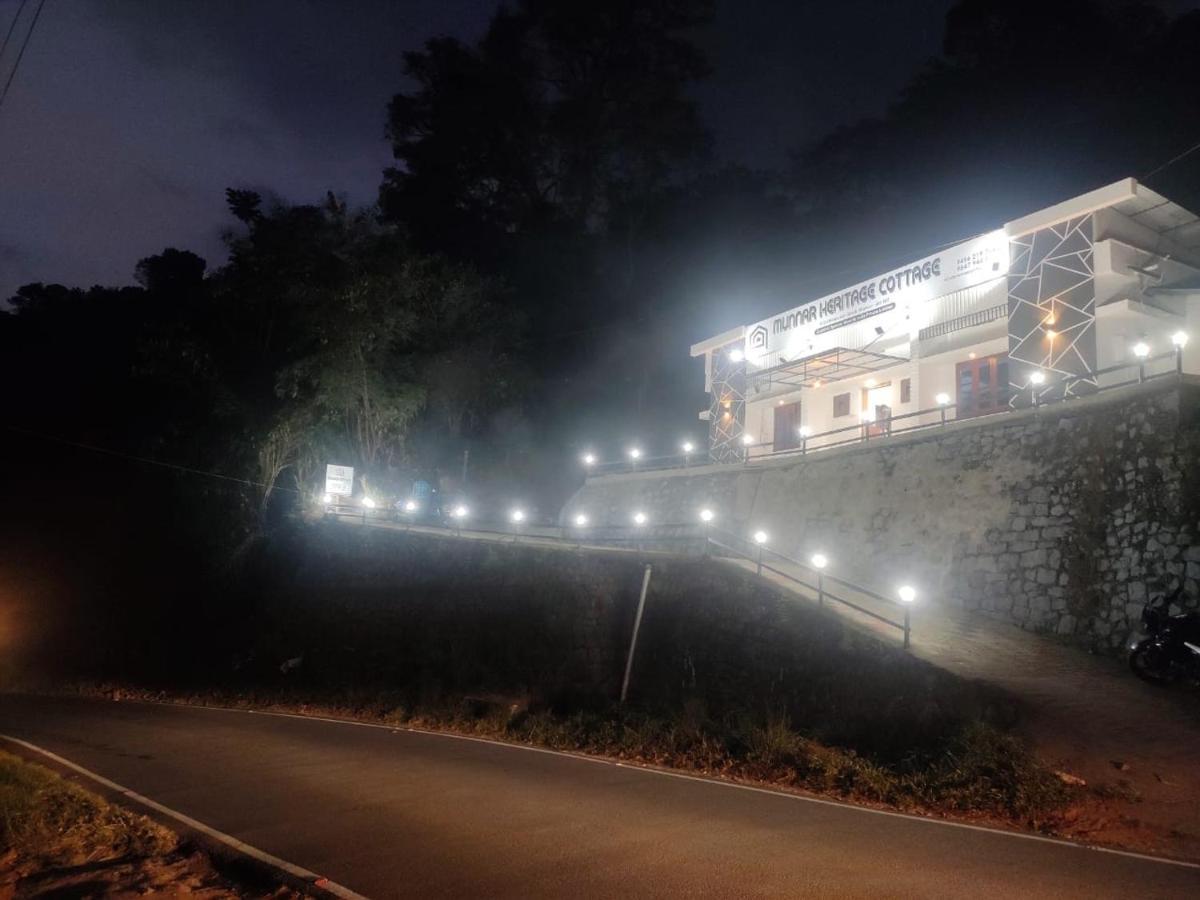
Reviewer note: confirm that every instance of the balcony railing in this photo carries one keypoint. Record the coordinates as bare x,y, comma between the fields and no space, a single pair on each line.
1052,391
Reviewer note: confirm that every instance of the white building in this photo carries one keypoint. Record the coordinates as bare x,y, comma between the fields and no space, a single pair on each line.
1053,305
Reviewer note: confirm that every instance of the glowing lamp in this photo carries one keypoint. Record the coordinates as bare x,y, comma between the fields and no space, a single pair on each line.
706,515
907,593
760,537
1141,349
819,561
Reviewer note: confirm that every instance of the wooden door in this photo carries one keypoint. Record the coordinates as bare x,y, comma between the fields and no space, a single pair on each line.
787,426
982,385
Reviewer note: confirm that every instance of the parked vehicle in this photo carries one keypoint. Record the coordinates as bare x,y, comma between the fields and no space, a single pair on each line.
1168,647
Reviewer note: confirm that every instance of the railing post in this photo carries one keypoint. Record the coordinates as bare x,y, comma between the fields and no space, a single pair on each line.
1141,372
907,628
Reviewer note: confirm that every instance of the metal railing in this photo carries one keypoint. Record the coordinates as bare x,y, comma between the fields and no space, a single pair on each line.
668,538
1060,390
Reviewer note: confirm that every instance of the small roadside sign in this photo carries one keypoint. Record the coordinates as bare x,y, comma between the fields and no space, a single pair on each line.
339,480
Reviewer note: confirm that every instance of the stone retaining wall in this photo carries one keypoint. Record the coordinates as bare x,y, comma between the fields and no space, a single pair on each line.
1063,519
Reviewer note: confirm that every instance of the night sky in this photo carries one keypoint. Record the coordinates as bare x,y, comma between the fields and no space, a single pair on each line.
129,118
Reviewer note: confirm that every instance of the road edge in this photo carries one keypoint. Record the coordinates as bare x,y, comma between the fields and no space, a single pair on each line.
217,842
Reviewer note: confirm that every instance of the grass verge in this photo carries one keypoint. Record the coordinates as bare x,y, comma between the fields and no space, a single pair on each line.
980,773
57,839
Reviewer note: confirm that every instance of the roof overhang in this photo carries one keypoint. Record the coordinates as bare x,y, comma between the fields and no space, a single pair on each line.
1176,229
834,364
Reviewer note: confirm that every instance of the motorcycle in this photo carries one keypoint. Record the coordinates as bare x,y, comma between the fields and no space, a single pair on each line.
1167,647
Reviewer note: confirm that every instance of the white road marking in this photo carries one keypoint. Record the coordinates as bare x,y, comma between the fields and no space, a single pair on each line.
714,782
229,840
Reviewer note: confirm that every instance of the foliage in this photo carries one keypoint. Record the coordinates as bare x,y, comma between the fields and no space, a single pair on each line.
56,823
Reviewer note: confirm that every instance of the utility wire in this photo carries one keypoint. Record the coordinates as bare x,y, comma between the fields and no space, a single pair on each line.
108,451
12,27
1170,162
24,44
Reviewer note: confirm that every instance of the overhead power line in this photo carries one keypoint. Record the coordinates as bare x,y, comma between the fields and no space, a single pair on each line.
11,28
24,46
1170,162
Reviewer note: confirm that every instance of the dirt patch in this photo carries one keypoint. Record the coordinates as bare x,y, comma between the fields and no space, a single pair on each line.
59,840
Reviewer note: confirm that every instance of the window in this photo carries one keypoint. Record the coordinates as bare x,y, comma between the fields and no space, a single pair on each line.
982,385
906,390
841,405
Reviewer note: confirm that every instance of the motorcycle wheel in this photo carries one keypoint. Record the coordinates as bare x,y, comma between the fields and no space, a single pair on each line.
1149,663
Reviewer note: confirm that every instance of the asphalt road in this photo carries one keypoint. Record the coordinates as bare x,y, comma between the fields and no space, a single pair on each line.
402,814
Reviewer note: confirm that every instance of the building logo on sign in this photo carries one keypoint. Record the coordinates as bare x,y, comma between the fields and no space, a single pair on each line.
758,337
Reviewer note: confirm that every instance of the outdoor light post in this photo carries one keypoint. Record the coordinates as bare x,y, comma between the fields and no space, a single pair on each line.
1141,350
706,517
581,521
1179,340
367,504
805,432
907,595
687,449
639,520
410,507
760,538
943,400
819,562
459,513
517,516
1036,380
747,442
635,453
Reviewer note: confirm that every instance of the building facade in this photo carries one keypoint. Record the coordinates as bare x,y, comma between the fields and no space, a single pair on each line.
1099,290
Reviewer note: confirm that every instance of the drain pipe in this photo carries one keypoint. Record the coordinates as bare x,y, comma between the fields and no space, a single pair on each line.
637,624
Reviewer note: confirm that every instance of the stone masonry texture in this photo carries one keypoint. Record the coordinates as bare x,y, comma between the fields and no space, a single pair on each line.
1063,519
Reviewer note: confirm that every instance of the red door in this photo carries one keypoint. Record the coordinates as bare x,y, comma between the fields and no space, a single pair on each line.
982,385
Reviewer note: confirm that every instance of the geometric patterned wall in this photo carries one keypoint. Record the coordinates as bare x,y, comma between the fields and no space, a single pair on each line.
1052,311
727,407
